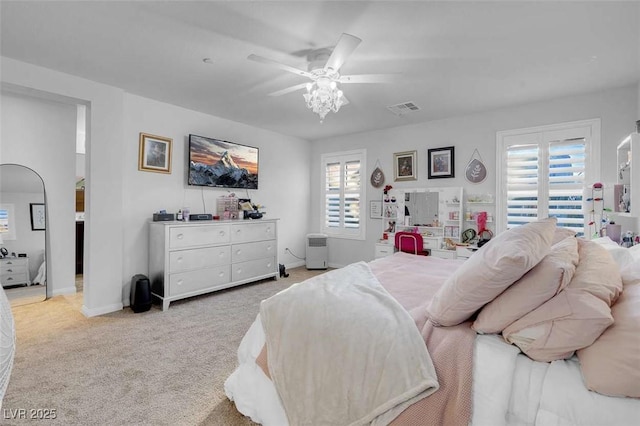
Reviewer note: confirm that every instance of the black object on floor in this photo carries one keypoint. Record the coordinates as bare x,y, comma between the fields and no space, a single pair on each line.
140,300
283,272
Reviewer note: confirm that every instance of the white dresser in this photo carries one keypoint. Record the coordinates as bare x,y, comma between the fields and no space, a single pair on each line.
191,258
14,271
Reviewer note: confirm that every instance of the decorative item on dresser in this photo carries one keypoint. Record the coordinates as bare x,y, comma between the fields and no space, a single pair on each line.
14,271
188,259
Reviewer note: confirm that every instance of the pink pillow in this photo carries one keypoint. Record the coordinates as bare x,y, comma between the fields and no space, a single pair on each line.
611,365
562,233
537,286
575,317
490,270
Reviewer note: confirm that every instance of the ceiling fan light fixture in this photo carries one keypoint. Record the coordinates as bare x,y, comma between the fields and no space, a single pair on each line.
323,96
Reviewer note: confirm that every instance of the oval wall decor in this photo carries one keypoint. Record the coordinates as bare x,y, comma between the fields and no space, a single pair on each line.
476,171
377,177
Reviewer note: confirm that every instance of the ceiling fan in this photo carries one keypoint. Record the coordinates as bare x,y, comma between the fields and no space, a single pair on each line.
323,71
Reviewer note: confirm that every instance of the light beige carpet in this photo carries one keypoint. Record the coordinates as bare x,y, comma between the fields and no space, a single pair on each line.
151,368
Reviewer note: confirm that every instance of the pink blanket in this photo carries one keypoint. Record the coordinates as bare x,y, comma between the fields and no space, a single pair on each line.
413,280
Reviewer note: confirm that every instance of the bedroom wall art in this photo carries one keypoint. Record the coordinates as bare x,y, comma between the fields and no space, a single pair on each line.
476,171
405,166
441,163
377,176
154,153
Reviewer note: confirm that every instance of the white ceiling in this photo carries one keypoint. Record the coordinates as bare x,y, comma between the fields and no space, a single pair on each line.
455,58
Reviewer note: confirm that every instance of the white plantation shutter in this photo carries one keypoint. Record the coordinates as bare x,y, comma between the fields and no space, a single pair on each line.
343,194
544,172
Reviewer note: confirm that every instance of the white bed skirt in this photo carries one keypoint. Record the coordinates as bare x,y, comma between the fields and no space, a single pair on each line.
508,389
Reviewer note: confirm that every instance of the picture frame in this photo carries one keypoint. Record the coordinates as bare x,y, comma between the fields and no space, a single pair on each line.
38,216
441,163
375,209
154,153
405,166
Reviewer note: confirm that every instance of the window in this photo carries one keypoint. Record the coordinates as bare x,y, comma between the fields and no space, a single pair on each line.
7,222
547,171
343,194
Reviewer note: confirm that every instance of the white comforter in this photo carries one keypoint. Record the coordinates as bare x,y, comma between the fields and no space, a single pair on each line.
7,343
508,389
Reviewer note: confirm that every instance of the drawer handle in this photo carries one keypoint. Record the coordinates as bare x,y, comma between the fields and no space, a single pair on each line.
221,233
9,263
180,236
179,282
238,252
221,274
238,231
10,279
180,259
9,270
221,254
268,230
269,265
269,248
239,270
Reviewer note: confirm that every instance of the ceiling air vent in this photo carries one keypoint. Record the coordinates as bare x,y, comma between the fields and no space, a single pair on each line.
403,108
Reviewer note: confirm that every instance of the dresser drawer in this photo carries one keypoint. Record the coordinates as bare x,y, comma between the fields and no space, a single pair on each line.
13,268
183,260
384,250
186,282
246,232
14,279
191,236
444,254
252,251
252,268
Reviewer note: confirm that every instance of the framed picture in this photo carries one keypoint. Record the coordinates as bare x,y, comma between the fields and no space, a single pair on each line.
405,166
375,209
38,219
441,163
154,153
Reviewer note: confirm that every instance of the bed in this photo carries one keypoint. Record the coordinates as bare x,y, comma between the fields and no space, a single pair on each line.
504,385
7,343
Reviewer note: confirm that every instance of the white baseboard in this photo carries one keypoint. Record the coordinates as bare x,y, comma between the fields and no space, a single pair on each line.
101,310
63,291
296,264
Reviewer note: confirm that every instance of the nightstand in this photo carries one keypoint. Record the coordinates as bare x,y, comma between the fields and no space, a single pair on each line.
14,271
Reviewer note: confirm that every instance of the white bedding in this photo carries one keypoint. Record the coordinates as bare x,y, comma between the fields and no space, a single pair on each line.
7,343
508,389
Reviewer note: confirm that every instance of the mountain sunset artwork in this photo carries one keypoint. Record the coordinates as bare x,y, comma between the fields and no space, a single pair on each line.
218,163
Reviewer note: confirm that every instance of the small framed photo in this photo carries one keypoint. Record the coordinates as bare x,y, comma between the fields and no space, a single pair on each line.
38,218
154,153
375,209
441,162
405,166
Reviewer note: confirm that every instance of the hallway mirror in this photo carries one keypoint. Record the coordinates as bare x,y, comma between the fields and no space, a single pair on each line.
23,271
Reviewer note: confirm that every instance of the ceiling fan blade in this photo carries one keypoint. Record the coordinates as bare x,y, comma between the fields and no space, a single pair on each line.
369,78
346,45
288,90
282,66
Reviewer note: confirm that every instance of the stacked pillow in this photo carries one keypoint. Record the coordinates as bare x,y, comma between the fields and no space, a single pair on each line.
611,365
540,284
577,315
491,270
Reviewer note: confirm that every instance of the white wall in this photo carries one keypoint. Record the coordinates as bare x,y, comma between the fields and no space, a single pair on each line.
40,134
117,197
616,109
283,177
